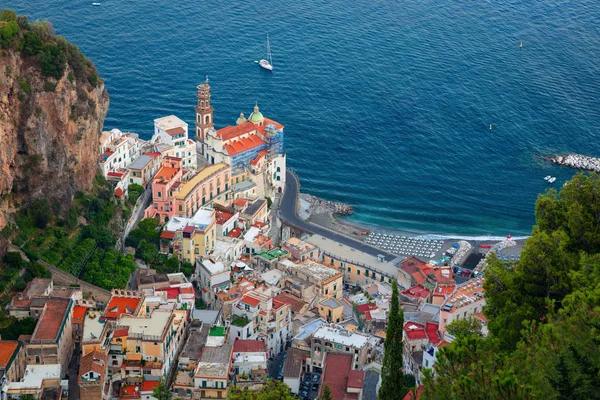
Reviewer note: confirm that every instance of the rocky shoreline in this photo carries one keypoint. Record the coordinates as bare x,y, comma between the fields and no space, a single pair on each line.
321,207
577,161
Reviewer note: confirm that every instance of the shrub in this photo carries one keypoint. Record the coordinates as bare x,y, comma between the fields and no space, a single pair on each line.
8,15
40,213
49,86
25,85
134,191
31,44
52,61
7,33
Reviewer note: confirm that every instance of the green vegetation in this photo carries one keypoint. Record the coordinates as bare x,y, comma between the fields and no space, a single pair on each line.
161,392
53,53
392,384
272,390
239,322
543,312
464,327
326,394
134,191
87,250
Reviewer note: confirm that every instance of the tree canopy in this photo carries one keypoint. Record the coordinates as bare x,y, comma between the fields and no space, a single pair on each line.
543,312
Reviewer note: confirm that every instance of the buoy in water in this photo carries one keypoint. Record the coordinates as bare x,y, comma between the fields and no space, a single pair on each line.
521,45
490,127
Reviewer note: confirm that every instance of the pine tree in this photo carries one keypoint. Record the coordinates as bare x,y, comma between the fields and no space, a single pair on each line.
392,385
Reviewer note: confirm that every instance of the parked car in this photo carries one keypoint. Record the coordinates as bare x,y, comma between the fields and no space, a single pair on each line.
316,378
315,386
304,393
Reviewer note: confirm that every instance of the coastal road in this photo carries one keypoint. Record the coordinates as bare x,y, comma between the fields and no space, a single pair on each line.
287,212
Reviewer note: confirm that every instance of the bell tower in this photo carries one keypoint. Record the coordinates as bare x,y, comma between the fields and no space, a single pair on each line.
204,115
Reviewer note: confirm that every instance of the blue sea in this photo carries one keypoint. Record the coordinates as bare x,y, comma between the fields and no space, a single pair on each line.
386,104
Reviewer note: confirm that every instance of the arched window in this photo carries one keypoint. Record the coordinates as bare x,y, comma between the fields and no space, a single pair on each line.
278,169
206,119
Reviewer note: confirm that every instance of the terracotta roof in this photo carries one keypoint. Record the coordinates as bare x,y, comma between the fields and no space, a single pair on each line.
355,379
444,290
230,132
79,314
416,292
363,308
148,386
119,192
414,330
249,346
260,155
251,301
292,367
165,174
175,131
411,396
7,349
411,264
295,303
121,332
51,320
94,361
245,144
167,235
419,277
172,293
240,202
121,305
222,217
432,332
259,224
235,232
337,370
481,317
268,121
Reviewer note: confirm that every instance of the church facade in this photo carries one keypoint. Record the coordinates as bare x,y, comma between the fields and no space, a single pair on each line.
254,144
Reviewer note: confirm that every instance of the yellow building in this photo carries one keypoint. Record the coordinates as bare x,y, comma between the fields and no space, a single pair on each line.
191,237
312,279
207,184
331,310
358,267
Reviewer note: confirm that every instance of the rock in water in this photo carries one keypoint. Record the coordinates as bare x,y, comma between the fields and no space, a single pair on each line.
578,161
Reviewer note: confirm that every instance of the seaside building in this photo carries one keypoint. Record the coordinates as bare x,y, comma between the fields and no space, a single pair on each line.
300,249
467,300
173,132
254,144
358,267
166,180
117,150
39,381
92,376
141,170
174,196
309,280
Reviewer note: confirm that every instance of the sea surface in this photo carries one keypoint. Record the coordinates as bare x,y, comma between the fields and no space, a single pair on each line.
387,105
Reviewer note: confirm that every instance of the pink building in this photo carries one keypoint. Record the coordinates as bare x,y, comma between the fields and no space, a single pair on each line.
165,182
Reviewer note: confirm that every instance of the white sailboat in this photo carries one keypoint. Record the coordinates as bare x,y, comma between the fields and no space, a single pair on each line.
268,62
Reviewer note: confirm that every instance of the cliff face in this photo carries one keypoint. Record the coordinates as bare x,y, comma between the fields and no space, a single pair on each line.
49,134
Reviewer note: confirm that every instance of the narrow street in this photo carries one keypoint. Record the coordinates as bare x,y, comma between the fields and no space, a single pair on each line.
73,373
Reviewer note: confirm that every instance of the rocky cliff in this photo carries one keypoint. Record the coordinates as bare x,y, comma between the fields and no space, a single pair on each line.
49,127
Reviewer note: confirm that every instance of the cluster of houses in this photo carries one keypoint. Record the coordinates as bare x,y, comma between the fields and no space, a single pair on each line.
249,300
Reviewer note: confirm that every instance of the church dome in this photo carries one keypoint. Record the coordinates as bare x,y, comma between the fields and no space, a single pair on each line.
256,117
241,119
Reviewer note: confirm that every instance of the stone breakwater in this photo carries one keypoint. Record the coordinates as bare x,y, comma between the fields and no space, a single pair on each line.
320,206
578,161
